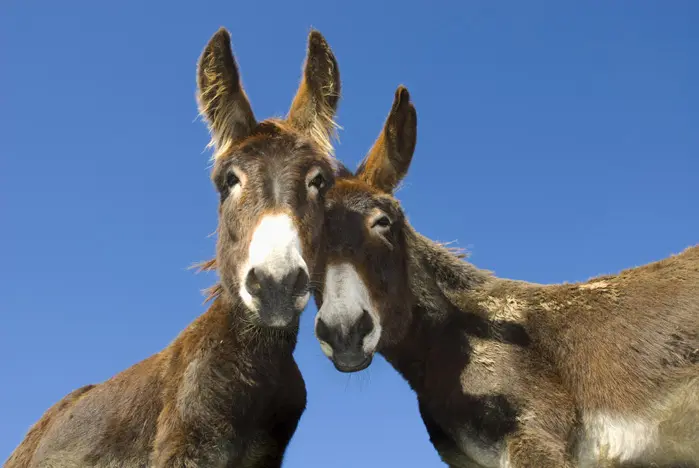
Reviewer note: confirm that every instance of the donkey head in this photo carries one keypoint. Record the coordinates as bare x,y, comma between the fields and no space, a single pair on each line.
364,302
272,177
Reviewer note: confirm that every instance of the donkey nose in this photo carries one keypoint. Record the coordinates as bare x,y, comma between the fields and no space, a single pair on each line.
301,282
347,349
295,282
253,283
274,293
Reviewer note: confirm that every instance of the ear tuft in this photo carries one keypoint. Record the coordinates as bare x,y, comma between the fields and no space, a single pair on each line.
313,109
221,98
401,98
322,71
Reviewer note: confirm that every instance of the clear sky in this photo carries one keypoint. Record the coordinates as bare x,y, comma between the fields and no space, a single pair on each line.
555,141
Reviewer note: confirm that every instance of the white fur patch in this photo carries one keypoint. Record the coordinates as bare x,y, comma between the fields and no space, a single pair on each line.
595,285
481,453
326,348
345,298
618,438
302,301
275,250
505,460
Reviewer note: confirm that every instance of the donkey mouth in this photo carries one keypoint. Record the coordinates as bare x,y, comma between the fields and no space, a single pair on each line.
281,321
352,364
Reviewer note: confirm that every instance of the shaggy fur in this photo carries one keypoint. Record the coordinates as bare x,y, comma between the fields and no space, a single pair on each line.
227,391
514,374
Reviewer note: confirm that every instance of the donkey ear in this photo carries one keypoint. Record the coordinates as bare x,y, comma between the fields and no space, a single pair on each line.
314,106
220,95
388,160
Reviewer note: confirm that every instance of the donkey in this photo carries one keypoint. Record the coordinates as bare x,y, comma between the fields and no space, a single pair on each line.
508,373
227,391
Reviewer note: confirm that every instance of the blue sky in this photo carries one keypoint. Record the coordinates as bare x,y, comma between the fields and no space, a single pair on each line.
556,142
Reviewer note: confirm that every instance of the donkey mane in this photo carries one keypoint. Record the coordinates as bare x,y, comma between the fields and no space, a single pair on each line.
440,273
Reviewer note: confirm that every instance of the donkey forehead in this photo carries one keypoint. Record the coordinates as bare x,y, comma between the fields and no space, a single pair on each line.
273,139
348,220
276,159
353,197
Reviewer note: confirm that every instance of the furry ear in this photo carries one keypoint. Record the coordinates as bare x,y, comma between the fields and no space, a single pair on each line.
315,104
389,159
220,95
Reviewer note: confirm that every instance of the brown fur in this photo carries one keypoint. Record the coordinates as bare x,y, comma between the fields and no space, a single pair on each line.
227,391
509,373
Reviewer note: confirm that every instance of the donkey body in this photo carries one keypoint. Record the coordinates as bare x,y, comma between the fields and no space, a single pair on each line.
518,374
227,391
220,395
509,373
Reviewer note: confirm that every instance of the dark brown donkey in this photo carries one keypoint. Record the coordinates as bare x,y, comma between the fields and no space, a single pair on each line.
509,373
226,392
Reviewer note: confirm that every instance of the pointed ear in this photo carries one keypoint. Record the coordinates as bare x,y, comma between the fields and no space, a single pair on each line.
389,159
315,104
220,95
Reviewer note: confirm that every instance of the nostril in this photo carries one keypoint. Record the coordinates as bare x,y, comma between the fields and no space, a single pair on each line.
252,282
301,283
365,324
322,331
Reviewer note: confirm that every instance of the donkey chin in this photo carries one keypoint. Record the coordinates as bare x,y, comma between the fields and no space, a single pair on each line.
349,344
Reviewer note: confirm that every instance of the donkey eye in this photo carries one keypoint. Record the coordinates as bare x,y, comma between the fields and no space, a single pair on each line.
382,222
232,180
318,182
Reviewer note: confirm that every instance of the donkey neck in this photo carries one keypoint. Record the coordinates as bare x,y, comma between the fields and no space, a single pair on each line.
227,328
445,313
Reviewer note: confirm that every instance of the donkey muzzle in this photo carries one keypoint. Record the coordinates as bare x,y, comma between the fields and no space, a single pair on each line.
279,300
346,349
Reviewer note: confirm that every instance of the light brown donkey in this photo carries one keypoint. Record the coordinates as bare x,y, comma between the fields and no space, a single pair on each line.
508,373
226,392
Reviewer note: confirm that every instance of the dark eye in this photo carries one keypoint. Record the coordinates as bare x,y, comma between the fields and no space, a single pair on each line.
382,222
232,180
318,182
